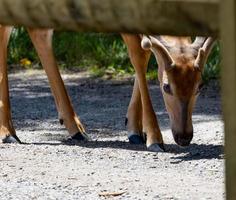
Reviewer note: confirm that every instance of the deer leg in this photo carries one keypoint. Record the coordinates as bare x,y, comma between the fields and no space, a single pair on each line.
134,117
7,131
42,40
139,59
134,113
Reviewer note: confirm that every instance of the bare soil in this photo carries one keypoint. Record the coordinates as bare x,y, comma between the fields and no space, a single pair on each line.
107,167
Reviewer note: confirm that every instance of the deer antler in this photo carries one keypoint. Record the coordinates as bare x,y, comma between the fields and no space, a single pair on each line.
198,42
163,41
152,43
204,52
208,45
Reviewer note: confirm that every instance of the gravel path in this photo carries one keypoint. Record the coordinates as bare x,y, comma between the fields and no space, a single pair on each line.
46,168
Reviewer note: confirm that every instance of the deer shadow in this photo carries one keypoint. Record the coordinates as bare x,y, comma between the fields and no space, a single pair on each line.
180,154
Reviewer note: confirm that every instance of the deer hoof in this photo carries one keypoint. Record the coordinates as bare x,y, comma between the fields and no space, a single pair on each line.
126,121
79,137
135,138
61,121
156,147
11,139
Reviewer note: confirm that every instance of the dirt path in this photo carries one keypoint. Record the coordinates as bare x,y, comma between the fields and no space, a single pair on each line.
45,168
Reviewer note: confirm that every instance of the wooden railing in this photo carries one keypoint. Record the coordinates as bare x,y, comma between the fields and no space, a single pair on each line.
175,17
172,17
228,37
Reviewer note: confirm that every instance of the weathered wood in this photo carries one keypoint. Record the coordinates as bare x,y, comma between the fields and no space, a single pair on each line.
176,17
228,33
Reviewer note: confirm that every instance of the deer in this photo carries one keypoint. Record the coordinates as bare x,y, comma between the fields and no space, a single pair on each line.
180,65
42,40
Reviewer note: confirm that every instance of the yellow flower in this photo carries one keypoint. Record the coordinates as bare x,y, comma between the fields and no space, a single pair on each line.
25,62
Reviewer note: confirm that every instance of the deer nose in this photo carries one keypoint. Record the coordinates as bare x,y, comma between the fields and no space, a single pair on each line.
183,139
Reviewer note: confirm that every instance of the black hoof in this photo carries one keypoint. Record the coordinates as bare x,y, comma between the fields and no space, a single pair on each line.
136,139
156,147
126,121
78,137
11,139
162,146
61,121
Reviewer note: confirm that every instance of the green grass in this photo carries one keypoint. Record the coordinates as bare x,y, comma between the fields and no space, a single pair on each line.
212,68
100,53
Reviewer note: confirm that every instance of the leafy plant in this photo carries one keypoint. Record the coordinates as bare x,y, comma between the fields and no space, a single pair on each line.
98,52
212,68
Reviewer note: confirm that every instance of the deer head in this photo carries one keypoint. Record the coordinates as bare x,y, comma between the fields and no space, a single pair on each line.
181,63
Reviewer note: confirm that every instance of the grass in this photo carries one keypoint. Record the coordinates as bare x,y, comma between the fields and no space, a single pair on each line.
100,53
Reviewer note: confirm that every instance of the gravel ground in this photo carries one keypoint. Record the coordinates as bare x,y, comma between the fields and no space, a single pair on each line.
47,168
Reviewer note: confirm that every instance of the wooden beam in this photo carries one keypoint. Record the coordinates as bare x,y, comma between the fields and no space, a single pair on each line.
172,17
228,33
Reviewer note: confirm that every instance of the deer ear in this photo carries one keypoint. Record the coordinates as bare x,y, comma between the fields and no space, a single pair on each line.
146,43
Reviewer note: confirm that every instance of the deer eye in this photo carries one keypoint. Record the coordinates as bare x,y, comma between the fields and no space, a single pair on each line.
167,88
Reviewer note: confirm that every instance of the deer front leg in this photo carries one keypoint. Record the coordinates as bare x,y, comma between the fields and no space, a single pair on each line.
7,131
134,113
139,59
42,40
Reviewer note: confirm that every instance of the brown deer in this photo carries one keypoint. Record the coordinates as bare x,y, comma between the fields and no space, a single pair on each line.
180,66
42,40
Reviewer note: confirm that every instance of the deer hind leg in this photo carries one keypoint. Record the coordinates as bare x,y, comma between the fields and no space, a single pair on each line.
134,117
42,40
139,59
7,131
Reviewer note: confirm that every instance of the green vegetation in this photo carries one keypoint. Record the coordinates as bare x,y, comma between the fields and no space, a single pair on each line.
100,53
20,47
212,68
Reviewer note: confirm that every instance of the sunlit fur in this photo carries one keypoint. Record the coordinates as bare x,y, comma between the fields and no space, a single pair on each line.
184,80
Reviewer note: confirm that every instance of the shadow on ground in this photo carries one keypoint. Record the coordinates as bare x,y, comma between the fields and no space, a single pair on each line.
100,104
